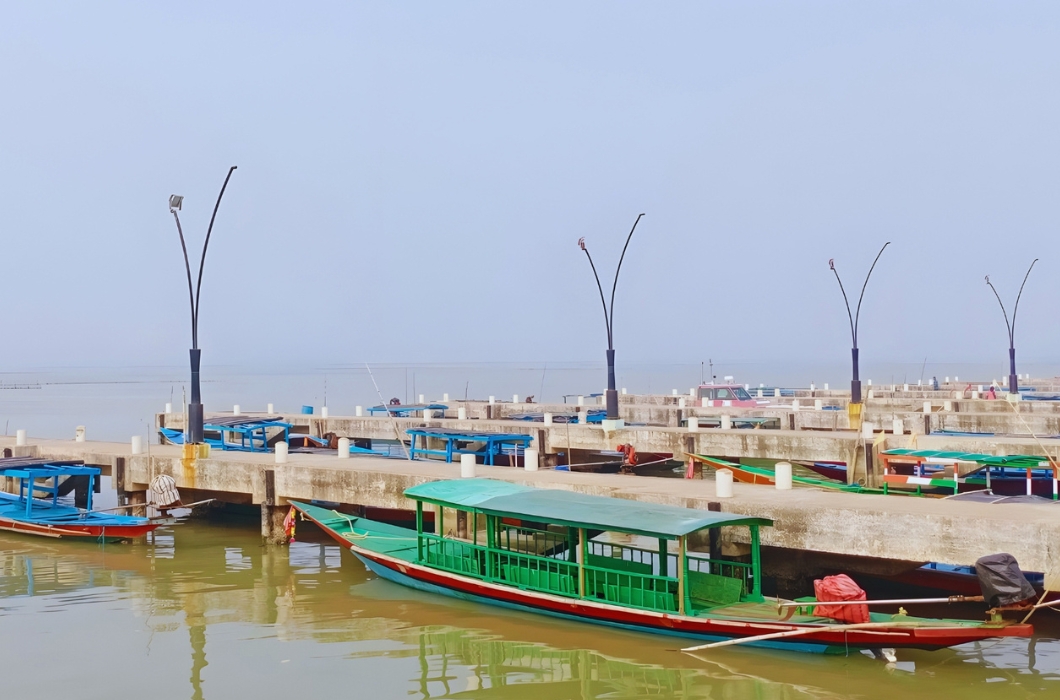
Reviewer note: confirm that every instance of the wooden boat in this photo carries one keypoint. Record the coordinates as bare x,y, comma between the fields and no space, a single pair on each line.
757,475
539,550
23,512
960,472
836,471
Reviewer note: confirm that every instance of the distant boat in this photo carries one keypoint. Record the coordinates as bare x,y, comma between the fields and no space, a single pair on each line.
540,552
46,517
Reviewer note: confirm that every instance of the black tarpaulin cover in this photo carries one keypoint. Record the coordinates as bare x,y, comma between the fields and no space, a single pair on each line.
1002,581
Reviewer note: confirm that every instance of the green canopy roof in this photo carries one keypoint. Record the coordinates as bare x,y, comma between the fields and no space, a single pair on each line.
573,509
1020,461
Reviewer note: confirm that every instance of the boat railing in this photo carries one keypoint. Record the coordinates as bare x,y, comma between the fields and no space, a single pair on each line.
723,567
625,553
531,540
453,555
555,576
631,585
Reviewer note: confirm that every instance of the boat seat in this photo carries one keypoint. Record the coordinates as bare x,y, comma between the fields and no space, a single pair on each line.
712,589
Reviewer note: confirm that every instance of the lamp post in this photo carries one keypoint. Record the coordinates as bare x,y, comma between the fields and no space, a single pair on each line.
1013,381
611,397
855,381
194,427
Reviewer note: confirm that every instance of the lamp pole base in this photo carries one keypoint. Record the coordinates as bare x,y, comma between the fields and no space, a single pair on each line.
193,434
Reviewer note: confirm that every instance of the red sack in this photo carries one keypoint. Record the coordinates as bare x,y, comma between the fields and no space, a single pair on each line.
836,588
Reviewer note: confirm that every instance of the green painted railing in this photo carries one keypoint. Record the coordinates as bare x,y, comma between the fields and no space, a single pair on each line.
723,567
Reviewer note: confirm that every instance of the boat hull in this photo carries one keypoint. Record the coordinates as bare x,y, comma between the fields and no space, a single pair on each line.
705,629
109,533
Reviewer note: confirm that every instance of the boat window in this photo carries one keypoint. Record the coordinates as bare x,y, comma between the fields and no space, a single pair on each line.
724,394
706,393
741,394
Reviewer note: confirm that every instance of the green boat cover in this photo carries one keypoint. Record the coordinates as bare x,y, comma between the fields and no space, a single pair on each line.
1019,461
572,509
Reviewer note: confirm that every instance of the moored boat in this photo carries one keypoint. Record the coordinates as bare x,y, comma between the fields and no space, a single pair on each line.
47,517
540,550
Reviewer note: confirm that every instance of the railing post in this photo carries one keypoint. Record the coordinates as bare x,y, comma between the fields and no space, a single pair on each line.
682,574
489,547
663,556
419,532
756,564
583,555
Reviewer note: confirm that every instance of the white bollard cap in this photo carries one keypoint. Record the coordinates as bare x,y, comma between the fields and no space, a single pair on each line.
782,476
723,483
137,444
281,453
530,459
344,448
467,466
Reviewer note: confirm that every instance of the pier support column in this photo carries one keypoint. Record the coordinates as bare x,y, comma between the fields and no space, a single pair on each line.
138,499
272,515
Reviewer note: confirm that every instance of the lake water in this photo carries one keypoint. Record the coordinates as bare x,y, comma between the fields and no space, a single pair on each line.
203,610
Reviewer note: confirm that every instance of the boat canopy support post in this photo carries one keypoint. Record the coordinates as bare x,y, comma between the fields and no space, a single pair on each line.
419,532
682,575
583,551
663,556
756,565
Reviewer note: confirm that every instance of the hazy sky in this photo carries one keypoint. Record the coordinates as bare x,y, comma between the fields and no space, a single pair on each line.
413,179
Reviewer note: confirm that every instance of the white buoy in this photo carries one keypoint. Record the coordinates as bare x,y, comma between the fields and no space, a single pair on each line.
344,448
270,410
20,438
467,466
581,400
723,483
79,434
693,424
493,400
681,402
323,411
818,405
358,411
169,408
782,476
235,410
530,459
445,397
461,413
515,398
548,419
704,402
927,407
281,453
898,426
427,414
137,444
726,421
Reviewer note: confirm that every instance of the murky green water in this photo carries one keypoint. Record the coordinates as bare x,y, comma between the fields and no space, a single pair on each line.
202,610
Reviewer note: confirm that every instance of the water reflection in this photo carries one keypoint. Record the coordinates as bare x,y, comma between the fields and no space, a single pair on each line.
208,607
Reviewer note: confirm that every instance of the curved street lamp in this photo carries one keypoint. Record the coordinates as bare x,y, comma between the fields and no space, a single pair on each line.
611,397
1013,382
855,382
194,427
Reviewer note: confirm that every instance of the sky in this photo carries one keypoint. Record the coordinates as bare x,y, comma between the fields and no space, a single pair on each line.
413,179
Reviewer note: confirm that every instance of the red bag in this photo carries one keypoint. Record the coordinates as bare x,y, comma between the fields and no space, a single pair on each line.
836,588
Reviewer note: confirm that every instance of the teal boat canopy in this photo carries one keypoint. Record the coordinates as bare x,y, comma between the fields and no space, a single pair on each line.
560,507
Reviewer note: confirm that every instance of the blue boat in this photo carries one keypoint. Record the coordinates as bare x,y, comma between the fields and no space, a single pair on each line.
488,445
239,433
24,512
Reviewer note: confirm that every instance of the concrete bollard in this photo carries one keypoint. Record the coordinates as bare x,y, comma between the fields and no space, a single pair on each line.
723,483
137,444
467,466
975,394
548,419
760,393
681,402
79,434
20,438
427,414
818,405
583,417
947,406
270,409
623,391
581,400
515,398
956,379
927,407
826,386
981,388
871,394
795,405
782,476
813,387
323,411
905,387
947,380
281,453
344,448
493,400
692,392
358,411
958,394
870,382
235,410
704,402
776,393
898,427
603,401
866,430
693,424
169,408
675,392
726,421
461,413
445,397
423,399
530,459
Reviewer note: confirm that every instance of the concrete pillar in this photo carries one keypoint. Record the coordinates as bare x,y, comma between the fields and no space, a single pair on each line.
813,387
675,392
422,399
358,411
137,444
704,402
467,466
760,393
138,499
272,531
795,404
623,391
782,476
530,459
947,406
723,483
866,430
826,386
947,380
581,400
776,393
493,400
871,394
927,407
583,417
344,448
958,395
20,437
975,394
427,414
681,402
905,387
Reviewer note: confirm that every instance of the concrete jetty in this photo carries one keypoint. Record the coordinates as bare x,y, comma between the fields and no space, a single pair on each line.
867,533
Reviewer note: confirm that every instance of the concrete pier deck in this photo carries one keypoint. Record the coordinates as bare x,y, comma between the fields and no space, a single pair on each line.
897,528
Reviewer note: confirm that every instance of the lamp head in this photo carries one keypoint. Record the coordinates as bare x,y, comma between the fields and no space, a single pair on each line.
175,200
581,242
831,263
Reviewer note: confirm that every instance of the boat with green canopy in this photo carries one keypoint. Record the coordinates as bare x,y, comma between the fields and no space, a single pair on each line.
612,561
